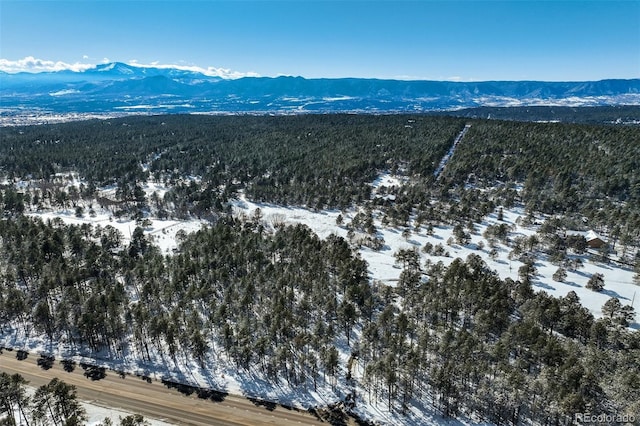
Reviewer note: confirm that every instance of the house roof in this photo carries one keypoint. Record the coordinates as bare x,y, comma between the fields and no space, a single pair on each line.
591,235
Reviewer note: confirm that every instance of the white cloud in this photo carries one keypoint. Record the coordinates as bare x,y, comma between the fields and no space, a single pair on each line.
31,64
209,71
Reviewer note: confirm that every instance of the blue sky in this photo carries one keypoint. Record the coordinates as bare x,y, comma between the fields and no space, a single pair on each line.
436,40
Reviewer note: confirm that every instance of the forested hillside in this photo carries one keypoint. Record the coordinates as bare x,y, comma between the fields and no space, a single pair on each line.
322,161
278,303
600,115
314,160
564,169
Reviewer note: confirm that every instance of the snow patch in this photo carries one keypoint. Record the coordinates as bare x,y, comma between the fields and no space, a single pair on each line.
64,92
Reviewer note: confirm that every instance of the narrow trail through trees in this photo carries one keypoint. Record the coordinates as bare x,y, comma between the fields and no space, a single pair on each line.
449,154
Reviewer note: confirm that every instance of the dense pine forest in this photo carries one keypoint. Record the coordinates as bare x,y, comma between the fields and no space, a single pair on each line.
278,301
318,161
599,115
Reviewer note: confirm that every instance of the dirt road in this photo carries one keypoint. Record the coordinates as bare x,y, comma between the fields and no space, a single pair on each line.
155,400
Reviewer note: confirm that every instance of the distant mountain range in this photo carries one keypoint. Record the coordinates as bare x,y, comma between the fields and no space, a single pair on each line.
121,88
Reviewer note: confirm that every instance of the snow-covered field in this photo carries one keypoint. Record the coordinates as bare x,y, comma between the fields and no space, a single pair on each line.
383,267
162,232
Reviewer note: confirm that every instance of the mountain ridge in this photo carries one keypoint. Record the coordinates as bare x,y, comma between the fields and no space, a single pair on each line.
117,86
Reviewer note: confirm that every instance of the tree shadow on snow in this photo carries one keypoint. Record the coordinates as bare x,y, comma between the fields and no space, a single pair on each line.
543,285
612,293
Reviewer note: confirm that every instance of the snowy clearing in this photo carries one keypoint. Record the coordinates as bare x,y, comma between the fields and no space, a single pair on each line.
162,232
383,266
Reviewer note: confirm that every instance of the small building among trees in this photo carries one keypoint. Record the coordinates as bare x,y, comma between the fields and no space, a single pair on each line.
594,240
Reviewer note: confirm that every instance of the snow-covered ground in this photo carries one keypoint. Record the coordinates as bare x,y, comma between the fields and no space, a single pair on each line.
162,232
221,374
96,414
388,180
383,267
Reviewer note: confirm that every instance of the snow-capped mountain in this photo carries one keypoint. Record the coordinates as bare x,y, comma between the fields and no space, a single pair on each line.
118,87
